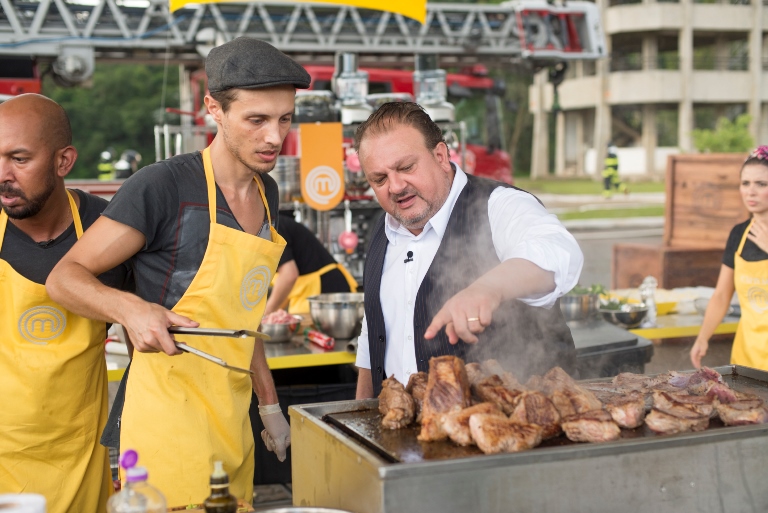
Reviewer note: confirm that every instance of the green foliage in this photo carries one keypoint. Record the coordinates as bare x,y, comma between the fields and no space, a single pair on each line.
727,137
119,110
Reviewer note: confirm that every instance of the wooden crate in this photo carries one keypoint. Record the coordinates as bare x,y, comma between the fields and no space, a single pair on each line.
703,200
671,266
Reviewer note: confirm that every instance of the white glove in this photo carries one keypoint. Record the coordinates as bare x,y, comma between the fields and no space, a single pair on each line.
277,435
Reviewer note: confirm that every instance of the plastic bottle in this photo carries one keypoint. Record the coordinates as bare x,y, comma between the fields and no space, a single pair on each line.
220,501
137,496
648,296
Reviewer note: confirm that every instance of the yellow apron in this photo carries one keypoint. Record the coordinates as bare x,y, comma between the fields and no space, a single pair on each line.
53,380
750,345
309,285
182,413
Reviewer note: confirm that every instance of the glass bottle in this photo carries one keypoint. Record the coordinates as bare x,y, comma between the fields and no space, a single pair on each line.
220,500
648,297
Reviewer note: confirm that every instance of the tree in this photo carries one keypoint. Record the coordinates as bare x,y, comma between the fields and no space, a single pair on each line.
119,110
727,137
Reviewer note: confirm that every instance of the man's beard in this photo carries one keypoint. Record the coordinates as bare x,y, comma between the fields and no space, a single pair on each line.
34,205
235,150
417,221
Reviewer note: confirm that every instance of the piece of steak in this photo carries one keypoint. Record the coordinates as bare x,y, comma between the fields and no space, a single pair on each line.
494,434
684,406
456,424
665,424
493,390
627,410
417,387
536,408
395,404
697,383
447,390
493,367
572,400
745,411
639,382
475,373
591,426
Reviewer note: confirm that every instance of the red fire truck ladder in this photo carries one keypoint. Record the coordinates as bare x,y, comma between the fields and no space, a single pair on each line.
72,34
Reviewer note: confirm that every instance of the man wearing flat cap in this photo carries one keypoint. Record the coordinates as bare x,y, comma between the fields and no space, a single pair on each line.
199,230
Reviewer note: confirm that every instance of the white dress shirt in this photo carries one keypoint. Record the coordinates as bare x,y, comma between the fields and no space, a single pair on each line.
520,228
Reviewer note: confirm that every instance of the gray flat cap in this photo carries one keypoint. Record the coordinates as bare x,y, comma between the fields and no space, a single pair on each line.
247,63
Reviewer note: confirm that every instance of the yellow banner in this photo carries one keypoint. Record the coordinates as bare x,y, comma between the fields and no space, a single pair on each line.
322,164
416,9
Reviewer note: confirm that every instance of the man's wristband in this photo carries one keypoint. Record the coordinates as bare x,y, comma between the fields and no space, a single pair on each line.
269,409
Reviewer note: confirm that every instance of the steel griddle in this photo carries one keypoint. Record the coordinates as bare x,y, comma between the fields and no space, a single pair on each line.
401,445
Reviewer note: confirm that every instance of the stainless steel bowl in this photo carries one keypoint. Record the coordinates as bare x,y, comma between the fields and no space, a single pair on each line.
339,315
579,307
629,316
303,509
281,332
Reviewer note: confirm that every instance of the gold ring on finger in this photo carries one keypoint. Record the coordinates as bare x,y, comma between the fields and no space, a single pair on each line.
470,319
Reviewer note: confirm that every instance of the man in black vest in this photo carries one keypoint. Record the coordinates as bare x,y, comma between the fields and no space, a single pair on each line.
458,265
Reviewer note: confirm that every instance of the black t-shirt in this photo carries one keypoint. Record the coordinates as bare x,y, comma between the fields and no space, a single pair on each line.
750,252
34,261
309,254
168,203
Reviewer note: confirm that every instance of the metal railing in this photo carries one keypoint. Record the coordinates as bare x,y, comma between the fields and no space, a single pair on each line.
635,62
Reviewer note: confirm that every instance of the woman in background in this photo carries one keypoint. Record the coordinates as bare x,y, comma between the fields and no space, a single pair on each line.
745,270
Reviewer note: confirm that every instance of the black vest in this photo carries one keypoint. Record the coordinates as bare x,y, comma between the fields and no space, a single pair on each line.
525,339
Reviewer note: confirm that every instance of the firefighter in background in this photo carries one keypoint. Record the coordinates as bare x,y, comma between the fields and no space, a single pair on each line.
106,167
611,180
128,164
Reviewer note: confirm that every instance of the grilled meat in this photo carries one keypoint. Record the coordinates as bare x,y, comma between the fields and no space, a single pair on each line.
665,424
745,411
417,387
475,373
570,400
395,404
627,410
639,381
536,408
591,426
697,383
491,367
495,433
447,390
493,390
683,405
456,424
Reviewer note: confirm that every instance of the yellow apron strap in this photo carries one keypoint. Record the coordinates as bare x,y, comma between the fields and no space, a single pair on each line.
330,267
3,224
350,280
72,207
744,237
75,215
211,183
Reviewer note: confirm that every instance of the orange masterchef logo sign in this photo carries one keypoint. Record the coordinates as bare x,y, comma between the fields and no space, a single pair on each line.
322,171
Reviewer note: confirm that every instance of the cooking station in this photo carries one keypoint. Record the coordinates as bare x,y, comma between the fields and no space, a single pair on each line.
343,459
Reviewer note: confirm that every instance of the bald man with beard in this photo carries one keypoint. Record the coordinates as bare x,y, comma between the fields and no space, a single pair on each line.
53,377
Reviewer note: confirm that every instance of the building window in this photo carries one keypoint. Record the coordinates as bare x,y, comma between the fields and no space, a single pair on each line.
666,126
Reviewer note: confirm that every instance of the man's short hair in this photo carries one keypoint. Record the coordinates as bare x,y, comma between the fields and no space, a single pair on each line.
393,114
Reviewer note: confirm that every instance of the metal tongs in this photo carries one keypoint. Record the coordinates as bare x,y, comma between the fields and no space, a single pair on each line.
215,332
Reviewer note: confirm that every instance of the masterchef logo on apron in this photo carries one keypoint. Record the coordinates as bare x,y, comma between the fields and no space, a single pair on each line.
758,299
254,286
42,323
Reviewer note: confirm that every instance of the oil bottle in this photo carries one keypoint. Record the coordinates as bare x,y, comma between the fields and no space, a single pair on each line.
220,501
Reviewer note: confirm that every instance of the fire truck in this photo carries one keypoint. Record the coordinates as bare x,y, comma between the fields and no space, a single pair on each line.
477,99
18,75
